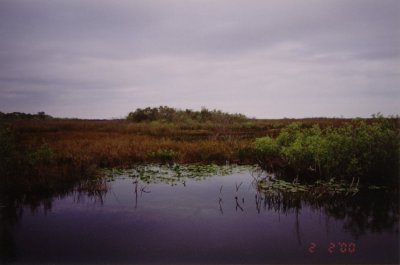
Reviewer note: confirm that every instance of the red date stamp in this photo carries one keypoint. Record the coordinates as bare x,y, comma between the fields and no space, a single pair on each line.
334,247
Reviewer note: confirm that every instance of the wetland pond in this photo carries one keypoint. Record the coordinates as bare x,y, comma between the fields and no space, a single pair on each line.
156,214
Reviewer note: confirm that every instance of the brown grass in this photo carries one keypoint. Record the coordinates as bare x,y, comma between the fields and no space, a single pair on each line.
118,143
81,147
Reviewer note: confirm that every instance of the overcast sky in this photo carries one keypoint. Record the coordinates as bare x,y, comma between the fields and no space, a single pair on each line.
265,59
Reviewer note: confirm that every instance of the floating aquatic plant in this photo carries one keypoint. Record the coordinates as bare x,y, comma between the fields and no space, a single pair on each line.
319,188
173,174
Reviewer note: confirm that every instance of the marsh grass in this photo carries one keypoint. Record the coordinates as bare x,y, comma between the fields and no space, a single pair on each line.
48,152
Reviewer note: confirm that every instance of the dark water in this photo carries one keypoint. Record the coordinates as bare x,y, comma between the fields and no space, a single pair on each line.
198,222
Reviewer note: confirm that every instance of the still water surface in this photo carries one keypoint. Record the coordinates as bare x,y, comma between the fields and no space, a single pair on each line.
207,221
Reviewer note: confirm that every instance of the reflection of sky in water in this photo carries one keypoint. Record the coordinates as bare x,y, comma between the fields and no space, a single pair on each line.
188,223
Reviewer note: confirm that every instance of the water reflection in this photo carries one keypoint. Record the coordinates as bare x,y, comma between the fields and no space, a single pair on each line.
237,195
14,204
368,211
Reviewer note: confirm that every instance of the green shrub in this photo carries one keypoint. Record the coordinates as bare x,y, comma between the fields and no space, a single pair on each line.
20,165
357,150
267,146
164,156
41,156
8,152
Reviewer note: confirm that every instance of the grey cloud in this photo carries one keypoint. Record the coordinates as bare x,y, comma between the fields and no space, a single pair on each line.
138,27
264,58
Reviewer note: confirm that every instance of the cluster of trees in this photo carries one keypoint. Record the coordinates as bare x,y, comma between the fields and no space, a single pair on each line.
24,116
368,152
167,114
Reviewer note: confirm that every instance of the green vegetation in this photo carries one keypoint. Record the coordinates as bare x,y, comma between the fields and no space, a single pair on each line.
167,114
318,188
33,167
164,156
361,151
173,174
8,152
24,116
47,153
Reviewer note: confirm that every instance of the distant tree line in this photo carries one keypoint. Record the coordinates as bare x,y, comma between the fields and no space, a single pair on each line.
24,116
167,114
